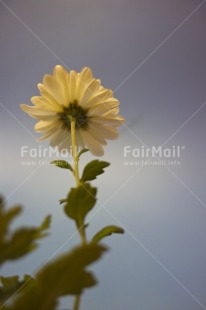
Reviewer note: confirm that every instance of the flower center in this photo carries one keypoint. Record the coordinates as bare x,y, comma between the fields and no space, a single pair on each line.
74,111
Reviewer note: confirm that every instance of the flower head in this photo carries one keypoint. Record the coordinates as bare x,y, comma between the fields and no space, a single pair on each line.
67,96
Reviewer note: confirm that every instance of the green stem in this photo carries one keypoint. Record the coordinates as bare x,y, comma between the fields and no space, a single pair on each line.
81,229
76,302
74,152
82,234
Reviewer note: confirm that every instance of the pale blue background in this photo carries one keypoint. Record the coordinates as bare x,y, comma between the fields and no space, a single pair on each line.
152,54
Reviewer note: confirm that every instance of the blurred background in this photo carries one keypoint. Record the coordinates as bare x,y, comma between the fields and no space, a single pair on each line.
152,54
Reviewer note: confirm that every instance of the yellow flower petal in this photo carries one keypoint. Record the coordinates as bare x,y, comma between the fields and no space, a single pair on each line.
47,134
93,145
115,121
107,131
79,141
42,102
54,88
87,91
56,138
72,81
98,98
38,113
47,95
61,75
44,125
85,75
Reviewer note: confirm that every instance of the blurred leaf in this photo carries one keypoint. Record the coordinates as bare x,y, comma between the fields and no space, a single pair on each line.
10,286
21,241
69,270
79,202
64,276
9,282
107,231
63,200
42,231
6,218
93,169
62,164
46,223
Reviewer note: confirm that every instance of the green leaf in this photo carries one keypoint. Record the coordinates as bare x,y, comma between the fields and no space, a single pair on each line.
62,164
82,152
66,275
6,218
42,231
79,202
21,241
46,223
9,282
93,169
71,267
63,200
10,286
107,231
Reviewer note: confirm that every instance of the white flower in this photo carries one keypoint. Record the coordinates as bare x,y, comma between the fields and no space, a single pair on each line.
80,96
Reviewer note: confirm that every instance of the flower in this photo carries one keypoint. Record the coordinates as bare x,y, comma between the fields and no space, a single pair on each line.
66,95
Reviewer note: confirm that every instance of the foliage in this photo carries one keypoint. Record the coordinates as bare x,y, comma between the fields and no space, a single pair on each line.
79,202
67,275
10,287
107,231
93,169
14,245
62,164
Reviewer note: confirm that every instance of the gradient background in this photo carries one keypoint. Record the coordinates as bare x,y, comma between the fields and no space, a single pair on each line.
152,53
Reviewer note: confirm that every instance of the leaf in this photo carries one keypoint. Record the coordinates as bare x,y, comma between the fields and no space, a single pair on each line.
63,200
71,267
93,169
21,241
46,223
79,202
107,231
6,218
62,164
9,282
42,231
10,286
66,275
82,152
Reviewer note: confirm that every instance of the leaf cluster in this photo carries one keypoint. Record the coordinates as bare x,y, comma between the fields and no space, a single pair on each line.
14,245
66,275
82,199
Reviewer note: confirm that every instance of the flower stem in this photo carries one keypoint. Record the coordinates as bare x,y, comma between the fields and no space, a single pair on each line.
74,152
82,234
76,302
81,229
